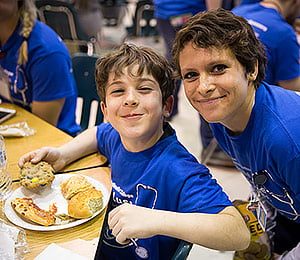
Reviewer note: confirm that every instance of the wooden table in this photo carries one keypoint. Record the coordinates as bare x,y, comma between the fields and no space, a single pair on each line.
48,135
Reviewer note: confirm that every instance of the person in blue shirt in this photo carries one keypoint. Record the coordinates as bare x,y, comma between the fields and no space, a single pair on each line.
269,20
160,192
35,66
222,65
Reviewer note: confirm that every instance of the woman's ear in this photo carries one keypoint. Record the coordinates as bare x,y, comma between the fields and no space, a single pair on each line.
168,106
252,75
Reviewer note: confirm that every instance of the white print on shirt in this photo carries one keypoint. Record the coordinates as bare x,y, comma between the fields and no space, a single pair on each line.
142,191
123,193
258,25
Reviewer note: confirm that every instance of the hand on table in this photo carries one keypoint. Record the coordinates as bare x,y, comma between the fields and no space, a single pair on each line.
49,154
130,221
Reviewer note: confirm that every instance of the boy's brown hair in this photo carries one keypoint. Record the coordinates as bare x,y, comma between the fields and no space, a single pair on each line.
130,55
222,29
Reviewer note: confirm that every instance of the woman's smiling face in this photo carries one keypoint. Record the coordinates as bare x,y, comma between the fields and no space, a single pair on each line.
216,85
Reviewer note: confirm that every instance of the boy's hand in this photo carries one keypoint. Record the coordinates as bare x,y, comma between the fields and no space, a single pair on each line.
129,221
49,154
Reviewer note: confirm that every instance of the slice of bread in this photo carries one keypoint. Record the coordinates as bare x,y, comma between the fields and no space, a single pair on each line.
73,185
85,203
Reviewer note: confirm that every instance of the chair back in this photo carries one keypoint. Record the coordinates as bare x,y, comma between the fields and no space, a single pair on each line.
88,112
182,251
144,22
62,18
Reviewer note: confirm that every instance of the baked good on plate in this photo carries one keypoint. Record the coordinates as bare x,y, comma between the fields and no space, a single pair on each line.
27,209
36,176
85,203
73,185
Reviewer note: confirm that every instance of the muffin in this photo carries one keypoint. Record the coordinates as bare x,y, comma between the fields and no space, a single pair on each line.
36,177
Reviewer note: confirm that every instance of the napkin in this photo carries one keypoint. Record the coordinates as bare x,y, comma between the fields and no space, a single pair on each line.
53,251
16,130
77,249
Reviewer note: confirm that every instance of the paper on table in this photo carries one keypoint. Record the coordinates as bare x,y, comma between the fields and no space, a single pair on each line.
82,247
54,251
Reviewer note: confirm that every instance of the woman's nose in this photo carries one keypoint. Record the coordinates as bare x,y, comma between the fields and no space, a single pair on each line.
205,84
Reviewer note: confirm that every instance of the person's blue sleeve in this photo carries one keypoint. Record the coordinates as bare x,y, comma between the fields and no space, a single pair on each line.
52,78
201,193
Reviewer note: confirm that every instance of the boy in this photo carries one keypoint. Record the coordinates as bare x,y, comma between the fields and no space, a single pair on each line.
161,192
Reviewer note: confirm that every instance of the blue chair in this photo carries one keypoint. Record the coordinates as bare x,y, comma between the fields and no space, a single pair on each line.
88,112
182,251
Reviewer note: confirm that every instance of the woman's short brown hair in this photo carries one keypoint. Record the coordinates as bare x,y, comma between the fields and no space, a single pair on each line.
128,56
222,29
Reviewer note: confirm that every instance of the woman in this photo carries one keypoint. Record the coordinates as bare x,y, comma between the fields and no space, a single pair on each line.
222,65
36,66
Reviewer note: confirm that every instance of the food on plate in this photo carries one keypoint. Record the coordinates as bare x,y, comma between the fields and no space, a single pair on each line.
36,176
85,203
26,208
73,185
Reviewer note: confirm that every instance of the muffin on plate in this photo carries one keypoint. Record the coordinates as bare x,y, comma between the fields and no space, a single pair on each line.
36,177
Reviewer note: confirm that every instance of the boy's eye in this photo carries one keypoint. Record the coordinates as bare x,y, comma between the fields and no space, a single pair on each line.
116,91
190,75
219,68
145,88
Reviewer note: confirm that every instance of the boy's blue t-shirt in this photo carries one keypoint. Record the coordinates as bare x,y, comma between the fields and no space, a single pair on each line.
279,38
270,144
47,75
165,177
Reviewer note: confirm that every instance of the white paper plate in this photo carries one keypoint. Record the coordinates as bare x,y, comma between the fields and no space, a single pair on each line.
46,198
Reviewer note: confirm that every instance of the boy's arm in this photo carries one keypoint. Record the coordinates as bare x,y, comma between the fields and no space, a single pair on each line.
223,231
81,145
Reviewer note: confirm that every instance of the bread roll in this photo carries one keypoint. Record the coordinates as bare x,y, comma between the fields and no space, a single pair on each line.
85,203
73,185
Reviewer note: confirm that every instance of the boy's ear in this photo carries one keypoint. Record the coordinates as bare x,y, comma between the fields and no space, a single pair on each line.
104,111
168,106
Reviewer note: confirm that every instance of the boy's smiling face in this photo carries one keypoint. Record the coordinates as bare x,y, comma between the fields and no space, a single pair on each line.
134,108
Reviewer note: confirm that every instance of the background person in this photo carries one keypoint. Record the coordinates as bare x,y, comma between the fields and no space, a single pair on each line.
269,19
222,65
158,202
36,66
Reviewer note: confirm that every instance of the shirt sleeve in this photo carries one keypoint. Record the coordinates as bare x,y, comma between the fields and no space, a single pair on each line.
202,193
52,78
